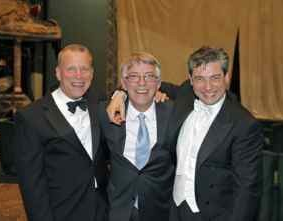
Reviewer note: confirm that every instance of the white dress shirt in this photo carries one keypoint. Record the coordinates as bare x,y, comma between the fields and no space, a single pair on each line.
191,136
79,120
132,126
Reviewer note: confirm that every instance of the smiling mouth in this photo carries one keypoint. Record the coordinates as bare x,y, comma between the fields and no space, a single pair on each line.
209,94
141,91
78,84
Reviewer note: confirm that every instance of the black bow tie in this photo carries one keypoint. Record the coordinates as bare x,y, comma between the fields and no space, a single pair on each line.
72,105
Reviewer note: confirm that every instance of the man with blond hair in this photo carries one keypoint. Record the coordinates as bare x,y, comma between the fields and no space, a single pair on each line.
58,155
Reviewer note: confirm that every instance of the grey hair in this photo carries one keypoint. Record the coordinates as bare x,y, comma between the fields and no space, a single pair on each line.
140,57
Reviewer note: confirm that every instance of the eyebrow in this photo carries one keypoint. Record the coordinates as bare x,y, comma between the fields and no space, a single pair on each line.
218,74
135,72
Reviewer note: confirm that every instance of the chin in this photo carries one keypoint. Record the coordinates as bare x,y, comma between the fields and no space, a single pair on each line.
211,102
80,93
76,96
142,106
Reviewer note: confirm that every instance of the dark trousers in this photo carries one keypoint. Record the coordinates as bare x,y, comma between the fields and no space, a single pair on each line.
271,201
134,214
183,213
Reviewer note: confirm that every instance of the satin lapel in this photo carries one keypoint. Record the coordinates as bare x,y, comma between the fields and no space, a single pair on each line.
94,124
59,123
219,129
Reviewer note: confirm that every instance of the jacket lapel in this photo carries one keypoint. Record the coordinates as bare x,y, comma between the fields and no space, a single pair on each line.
218,130
162,116
59,123
163,111
94,123
118,134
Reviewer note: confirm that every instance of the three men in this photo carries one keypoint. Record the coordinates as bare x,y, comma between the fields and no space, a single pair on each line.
59,160
218,145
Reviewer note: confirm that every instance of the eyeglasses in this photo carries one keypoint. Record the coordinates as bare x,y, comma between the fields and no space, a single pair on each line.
148,77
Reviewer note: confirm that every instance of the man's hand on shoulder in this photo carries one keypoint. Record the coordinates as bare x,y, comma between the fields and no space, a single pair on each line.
160,97
116,107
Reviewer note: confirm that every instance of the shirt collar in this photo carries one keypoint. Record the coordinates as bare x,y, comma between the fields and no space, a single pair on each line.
62,98
132,112
213,109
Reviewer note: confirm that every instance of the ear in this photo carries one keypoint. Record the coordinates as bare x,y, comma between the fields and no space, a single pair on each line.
227,79
159,84
58,73
190,79
123,84
92,75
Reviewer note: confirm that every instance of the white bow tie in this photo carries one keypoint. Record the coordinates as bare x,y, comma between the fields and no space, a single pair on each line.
201,107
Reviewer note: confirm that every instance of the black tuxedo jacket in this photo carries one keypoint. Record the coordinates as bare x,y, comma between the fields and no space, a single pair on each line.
56,174
228,171
153,184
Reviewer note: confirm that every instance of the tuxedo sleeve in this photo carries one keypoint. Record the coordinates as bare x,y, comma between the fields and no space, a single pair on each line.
247,164
29,153
170,89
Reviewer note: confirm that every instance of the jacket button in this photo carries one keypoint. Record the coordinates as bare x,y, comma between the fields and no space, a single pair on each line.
207,202
211,185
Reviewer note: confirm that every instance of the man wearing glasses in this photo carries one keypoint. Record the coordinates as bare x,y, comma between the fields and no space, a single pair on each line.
218,145
142,169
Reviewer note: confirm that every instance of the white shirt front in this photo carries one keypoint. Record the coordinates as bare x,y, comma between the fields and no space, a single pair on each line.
79,120
132,126
191,136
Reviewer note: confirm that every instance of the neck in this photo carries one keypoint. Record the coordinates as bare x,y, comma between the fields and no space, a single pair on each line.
141,108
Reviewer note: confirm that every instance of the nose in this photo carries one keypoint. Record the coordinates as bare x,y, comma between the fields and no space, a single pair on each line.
207,84
141,80
78,74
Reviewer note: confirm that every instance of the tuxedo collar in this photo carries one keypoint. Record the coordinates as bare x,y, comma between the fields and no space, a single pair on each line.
218,130
162,114
61,125
92,103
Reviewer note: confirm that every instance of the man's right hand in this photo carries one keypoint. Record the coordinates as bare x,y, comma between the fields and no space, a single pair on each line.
160,97
116,108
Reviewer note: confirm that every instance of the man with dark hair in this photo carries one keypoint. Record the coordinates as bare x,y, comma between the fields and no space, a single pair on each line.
218,147
60,162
